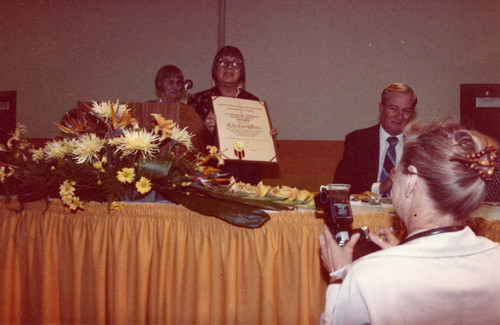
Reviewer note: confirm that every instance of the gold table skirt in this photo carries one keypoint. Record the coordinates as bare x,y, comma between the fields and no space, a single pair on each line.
162,263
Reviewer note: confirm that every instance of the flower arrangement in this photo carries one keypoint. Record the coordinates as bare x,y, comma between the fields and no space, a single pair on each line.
105,156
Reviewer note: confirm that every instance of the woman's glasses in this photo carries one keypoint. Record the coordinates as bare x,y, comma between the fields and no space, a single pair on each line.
225,63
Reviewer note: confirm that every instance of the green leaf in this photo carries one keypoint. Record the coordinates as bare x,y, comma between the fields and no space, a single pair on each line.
155,169
235,213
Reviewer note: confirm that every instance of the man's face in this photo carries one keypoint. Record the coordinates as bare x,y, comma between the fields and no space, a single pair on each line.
396,112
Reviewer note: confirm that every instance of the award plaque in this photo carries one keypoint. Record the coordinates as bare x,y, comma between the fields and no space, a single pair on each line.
243,128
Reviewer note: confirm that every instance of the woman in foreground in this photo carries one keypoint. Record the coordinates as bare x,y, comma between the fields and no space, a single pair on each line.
441,273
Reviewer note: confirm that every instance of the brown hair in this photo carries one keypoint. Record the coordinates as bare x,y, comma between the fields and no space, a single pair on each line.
399,88
454,188
165,72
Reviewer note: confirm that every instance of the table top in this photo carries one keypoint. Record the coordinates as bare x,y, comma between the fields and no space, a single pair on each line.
489,211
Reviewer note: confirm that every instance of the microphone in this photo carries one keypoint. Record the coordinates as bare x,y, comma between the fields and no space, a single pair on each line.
188,84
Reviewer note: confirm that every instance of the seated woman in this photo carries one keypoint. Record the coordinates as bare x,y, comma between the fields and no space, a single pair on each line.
228,74
169,83
441,272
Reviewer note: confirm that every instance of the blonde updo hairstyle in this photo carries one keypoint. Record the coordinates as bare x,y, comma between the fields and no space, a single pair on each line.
455,189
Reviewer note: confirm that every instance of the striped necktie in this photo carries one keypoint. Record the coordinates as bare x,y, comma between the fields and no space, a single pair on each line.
390,159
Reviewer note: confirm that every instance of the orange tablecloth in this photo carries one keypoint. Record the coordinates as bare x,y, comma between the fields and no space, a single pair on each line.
160,263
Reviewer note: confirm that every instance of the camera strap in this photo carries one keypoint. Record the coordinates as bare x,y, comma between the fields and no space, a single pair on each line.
431,232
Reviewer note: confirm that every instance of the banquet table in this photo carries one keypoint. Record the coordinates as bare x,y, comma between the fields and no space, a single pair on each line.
162,263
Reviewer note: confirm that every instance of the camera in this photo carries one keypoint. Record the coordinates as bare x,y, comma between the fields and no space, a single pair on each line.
338,217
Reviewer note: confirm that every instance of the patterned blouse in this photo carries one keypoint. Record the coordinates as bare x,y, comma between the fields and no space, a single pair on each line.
202,101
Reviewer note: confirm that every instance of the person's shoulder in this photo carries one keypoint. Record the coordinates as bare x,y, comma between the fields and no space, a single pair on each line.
372,130
201,98
188,108
246,95
206,92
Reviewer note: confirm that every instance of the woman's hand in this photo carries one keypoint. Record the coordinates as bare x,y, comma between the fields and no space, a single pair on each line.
211,122
333,256
274,132
384,238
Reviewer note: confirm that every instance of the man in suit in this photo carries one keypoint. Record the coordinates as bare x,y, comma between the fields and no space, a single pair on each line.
364,164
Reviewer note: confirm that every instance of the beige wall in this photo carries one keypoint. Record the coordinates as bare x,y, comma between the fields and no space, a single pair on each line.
320,65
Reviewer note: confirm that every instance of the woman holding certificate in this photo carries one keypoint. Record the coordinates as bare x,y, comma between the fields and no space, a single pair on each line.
228,74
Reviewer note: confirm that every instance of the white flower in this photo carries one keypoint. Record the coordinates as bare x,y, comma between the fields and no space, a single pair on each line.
66,189
87,148
58,149
133,141
37,154
182,137
104,109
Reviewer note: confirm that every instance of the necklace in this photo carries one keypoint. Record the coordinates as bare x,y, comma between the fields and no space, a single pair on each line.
431,232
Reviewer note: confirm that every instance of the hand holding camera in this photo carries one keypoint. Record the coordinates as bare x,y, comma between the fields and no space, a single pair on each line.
334,200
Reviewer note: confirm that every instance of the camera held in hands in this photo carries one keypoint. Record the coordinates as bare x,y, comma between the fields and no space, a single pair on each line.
334,200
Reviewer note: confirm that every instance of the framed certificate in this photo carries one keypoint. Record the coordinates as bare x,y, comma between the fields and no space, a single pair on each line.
243,127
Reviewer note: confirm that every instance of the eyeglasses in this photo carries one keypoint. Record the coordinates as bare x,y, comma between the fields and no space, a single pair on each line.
406,112
225,63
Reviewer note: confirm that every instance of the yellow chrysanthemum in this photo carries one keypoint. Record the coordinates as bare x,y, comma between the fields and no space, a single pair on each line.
67,199
117,206
143,185
76,204
126,175
182,137
66,189
87,148
134,141
98,165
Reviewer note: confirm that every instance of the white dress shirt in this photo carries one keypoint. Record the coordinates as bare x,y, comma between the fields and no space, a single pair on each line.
384,145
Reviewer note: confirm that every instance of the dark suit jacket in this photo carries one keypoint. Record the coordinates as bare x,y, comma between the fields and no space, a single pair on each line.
359,164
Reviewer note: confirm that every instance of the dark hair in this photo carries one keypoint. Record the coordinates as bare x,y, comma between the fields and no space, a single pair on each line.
454,188
399,88
233,52
165,72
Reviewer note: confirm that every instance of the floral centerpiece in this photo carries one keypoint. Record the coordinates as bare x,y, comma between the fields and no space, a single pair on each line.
105,156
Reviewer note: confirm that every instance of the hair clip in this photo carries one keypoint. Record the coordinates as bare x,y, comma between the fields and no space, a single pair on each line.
483,162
